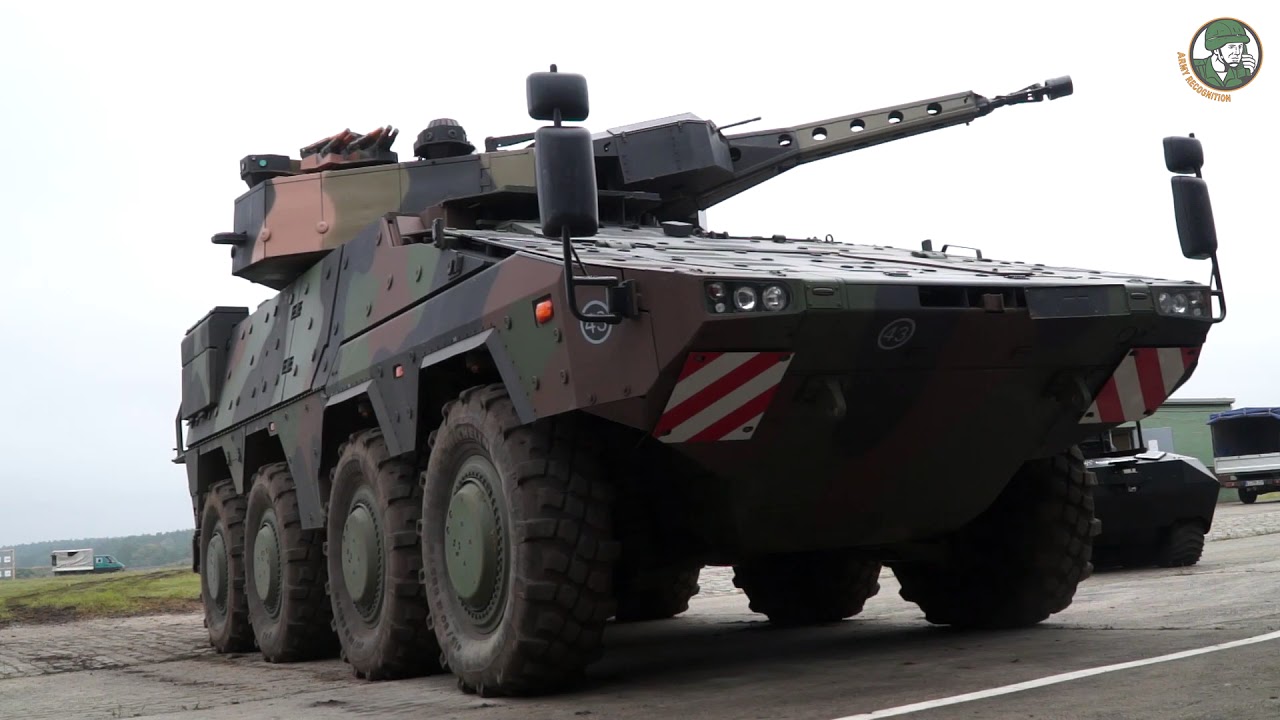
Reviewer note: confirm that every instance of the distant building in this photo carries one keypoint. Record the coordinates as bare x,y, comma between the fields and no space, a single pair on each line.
8,564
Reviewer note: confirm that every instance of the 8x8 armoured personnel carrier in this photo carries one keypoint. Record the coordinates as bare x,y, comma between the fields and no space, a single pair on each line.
504,397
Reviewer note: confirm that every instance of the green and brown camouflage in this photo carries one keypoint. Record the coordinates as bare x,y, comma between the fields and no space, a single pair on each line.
370,303
820,389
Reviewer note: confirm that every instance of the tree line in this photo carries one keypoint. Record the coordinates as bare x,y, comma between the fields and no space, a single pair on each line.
135,551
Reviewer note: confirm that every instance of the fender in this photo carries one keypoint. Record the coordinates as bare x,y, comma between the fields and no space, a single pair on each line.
497,349
392,394
232,445
392,391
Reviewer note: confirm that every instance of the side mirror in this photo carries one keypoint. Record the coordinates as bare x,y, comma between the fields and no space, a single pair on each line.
552,92
1194,215
1183,155
564,162
564,157
1192,210
1058,87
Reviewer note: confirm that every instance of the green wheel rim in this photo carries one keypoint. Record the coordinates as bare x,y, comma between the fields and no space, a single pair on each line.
266,565
215,572
362,559
475,543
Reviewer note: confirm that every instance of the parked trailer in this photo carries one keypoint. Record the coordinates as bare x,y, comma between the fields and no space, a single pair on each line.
1246,450
70,562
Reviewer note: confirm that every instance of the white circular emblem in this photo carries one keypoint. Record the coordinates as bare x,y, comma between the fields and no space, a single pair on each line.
897,333
596,332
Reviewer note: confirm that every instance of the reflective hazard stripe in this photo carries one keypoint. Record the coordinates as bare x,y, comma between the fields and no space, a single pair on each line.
1140,385
721,396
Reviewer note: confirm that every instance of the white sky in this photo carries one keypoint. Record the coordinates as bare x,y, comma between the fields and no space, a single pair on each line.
123,125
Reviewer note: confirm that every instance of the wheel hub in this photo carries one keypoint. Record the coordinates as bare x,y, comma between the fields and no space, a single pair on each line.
266,564
361,558
215,571
474,549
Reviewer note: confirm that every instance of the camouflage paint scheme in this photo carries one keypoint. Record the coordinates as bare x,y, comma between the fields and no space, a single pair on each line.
897,362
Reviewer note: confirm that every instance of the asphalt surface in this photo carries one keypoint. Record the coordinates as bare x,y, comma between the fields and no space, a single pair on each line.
721,661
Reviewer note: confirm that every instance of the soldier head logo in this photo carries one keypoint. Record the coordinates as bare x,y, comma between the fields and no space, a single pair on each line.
1225,54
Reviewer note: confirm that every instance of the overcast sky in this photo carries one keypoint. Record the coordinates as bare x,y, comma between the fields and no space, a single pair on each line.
123,125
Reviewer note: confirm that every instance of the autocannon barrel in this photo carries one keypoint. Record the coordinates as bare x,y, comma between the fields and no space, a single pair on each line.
761,155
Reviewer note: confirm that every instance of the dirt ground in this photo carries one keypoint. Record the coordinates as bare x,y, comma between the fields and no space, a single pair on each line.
721,661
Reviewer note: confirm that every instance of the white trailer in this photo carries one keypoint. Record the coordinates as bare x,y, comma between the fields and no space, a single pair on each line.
1246,450
73,561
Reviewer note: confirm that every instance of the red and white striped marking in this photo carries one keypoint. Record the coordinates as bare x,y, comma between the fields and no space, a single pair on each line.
1145,379
721,396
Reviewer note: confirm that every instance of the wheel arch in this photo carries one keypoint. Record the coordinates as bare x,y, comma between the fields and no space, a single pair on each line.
403,395
1198,519
206,465
261,447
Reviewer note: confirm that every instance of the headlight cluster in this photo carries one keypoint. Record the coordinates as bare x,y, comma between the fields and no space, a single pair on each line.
747,297
1188,302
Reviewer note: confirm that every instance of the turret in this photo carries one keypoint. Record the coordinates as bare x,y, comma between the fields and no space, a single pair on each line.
296,211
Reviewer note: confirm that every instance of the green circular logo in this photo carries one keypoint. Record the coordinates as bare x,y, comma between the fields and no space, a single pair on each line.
1226,54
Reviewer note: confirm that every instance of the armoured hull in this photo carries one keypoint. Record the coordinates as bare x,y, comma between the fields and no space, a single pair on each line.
855,415
866,393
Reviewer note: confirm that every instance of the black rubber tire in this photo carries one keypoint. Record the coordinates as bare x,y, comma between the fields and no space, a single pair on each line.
302,628
397,642
224,513
808,588
1183,546
650,580
655,593
1018,562
554,502
1247,496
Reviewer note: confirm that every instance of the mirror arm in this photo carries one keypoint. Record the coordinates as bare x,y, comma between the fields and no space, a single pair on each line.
616,289
1215,288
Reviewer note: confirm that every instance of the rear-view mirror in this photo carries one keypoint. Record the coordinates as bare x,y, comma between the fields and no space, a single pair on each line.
1194,216
1183,155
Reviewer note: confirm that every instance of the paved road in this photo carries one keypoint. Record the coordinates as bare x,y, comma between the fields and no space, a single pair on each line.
721,661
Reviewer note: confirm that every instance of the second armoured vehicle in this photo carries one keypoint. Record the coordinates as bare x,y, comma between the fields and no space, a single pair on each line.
1156,507
503,397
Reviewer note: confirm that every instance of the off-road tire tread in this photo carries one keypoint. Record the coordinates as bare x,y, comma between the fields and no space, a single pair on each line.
808,588
306,615
1022,559
1183,547
561,513
232,508
408,646
656,593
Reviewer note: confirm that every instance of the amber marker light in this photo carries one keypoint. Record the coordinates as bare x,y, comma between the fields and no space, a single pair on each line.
542,312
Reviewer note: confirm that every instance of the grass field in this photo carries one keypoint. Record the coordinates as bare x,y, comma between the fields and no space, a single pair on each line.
119,594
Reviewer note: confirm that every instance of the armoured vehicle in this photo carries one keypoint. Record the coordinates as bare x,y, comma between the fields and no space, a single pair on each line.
502,397
1246,450
1155,506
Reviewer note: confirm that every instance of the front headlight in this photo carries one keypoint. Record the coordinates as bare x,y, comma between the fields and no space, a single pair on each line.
741,296
745,298
774,298
1183,302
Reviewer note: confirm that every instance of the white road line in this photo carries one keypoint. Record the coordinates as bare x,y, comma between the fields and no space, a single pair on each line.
1055,679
